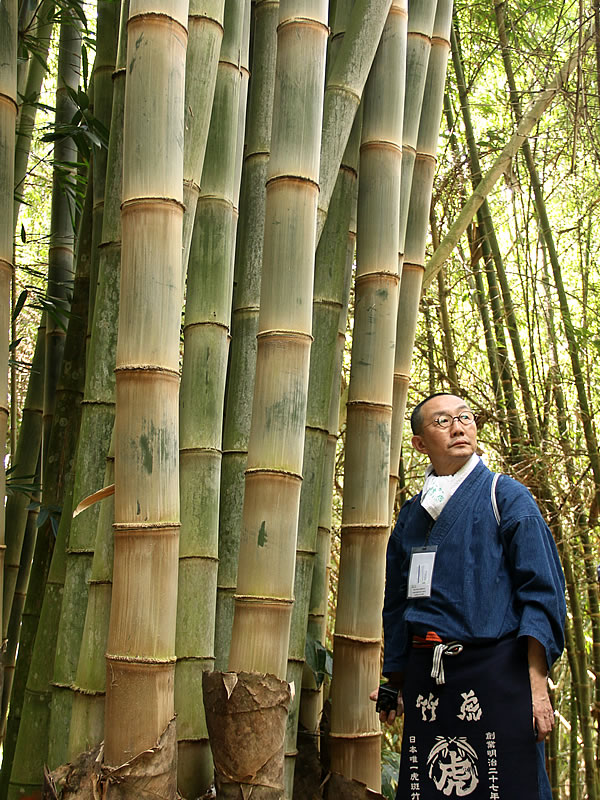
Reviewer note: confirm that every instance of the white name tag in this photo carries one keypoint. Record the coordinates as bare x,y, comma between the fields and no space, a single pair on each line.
420,571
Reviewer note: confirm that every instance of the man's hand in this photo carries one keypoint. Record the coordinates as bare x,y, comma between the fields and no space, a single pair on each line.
389,717
543,713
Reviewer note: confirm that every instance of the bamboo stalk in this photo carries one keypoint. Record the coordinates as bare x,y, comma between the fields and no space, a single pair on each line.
330,304
141,642
244,321
205,34
8,118
61,247
206,345
345,84
86,729
421,16
355,734
273,475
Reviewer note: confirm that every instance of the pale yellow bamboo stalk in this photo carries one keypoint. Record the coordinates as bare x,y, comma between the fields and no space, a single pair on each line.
355,733
8,120
414,229
141,640
244,317
275,450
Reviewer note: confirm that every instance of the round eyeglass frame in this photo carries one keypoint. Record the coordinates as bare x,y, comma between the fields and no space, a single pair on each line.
449,420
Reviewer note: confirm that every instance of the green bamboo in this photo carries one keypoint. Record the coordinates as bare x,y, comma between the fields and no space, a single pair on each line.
140,655
488,246
24,467
36,70
206,345
31,746
244,318
63,442
104,67
8,117
205,34
330,303
61,271
96,427
355,735
346,80
86,728
421,16
18,604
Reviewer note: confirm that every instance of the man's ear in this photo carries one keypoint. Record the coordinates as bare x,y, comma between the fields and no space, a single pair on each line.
419,444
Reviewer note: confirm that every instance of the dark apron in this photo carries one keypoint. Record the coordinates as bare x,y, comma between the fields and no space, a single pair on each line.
472,736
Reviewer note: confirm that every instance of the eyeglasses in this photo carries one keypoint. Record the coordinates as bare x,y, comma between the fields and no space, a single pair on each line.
446,420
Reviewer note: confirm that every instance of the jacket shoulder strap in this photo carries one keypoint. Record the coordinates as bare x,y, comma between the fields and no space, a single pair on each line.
494,498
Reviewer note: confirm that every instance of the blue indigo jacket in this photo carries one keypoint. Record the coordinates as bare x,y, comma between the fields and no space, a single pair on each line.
489,580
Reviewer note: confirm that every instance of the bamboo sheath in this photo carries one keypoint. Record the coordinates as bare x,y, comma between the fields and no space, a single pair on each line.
355,735
244,321
141,643
205,34
275,450
206,333
417,222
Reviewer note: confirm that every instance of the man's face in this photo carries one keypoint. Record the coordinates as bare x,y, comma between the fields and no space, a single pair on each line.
449,448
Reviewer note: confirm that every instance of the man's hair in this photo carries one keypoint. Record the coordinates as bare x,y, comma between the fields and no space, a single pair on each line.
416,418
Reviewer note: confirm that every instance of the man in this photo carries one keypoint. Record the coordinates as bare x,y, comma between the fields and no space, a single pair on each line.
473,619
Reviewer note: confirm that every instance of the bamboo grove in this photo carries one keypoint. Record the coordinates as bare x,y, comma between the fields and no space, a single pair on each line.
238,239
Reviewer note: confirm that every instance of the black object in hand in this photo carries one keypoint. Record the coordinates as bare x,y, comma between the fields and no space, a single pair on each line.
387,699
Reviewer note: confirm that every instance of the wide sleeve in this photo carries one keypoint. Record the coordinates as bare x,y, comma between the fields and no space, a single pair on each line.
536,572
395,629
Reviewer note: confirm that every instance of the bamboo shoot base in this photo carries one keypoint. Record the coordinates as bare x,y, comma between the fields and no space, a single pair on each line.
246,714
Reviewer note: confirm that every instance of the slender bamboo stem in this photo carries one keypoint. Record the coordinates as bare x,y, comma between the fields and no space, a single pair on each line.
206,345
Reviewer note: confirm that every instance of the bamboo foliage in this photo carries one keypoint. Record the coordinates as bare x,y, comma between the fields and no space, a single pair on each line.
273,476
355,735
206,331
141,641
244,318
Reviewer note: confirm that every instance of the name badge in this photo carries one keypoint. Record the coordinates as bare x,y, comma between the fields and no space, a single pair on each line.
420,571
